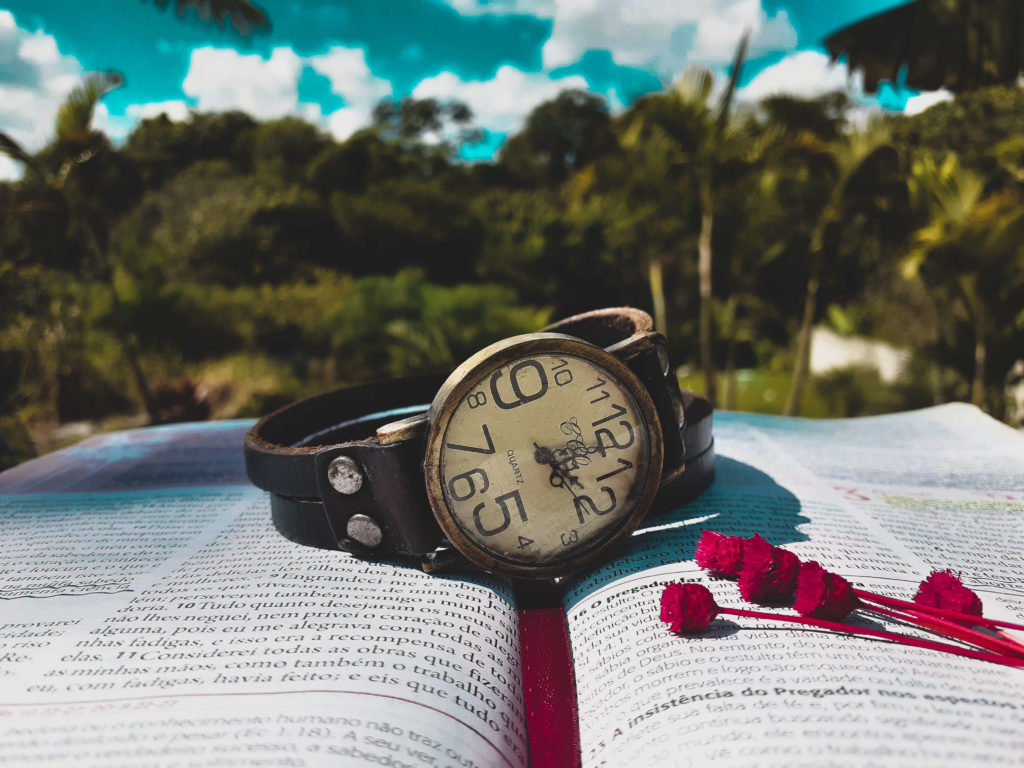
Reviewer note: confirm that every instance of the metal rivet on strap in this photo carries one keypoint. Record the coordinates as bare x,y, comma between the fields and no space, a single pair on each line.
364,529
345,475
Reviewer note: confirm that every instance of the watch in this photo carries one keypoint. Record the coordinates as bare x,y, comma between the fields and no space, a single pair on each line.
534,458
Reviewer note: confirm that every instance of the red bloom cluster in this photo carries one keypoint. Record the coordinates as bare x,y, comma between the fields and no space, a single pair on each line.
719,554
824,595
688,607
766,573
944,590
769,573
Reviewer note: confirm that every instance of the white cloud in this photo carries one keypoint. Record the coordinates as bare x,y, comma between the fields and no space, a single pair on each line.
222,79
9,169
805,73
664,35
542,8
917,104
351,79
719,33
35,77
667,36
502,103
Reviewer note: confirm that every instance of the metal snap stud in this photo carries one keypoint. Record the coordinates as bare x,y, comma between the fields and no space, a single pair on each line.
364,530
345,475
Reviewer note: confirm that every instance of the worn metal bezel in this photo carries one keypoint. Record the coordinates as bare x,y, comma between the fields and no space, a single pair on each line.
469,375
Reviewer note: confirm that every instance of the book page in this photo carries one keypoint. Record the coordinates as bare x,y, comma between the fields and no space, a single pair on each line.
881,501
174,626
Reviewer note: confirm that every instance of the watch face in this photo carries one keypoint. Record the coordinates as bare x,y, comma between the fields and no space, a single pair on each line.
543,450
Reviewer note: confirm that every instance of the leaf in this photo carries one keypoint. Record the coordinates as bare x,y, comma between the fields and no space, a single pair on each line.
74,118
14,150
694,85
724,103
243,15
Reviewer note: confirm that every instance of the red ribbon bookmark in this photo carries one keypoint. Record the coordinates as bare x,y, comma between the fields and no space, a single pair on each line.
549,685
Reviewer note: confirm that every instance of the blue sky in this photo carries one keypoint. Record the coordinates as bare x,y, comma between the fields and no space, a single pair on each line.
329,61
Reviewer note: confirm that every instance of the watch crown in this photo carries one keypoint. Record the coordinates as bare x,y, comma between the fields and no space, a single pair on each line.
345,475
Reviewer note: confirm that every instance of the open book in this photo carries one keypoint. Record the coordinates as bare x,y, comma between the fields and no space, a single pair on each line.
151,615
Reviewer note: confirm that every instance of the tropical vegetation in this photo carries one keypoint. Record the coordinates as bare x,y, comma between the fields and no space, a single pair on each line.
220,266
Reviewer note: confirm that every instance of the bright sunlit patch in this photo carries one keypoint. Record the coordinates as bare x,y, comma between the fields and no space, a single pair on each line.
690,521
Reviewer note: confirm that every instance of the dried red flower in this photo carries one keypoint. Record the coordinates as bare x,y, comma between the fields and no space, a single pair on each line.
687,607
945,590
769,573
823,595
720,554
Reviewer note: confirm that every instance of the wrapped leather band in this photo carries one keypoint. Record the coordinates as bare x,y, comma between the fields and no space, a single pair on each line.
290,451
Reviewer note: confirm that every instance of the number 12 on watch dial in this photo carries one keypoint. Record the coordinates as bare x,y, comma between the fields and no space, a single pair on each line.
545,456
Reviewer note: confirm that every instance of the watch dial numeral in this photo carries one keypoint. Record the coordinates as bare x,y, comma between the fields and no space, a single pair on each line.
533,487
563,375
583,502
506,519
625,465
619,411
488,450
518,378
601,435
467,477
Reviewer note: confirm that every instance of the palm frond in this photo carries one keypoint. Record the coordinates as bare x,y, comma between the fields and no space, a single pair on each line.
694,85
16,152
944,189
725,102
74,118
243,15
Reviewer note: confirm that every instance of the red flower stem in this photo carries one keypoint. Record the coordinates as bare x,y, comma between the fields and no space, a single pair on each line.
836,626
983,621
953,630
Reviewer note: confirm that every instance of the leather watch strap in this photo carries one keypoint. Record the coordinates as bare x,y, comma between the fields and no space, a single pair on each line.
294,452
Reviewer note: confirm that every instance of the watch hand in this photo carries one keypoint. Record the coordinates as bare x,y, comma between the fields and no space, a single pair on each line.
567,479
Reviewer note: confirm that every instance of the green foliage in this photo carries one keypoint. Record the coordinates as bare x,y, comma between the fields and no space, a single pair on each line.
162,148
854,390
973,126
213,224
284,147
74,118
444,125
560,136
402,325
259,262
400,223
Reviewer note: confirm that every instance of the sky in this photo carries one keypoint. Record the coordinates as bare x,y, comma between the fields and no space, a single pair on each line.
330,61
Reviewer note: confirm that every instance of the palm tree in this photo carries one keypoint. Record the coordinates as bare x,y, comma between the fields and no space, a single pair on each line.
685,130
843,161
76,145
969,252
